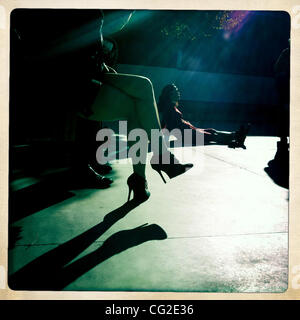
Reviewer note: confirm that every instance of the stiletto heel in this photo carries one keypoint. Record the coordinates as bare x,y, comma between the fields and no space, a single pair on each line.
173,169
129,194
139,186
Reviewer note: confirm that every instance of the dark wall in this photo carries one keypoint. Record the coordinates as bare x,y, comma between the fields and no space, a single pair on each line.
252,47
51,50
50,66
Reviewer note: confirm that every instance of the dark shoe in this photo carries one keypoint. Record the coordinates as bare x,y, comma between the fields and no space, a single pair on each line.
281,158
101,168
282,152
96,180
172,168
139,186
240,137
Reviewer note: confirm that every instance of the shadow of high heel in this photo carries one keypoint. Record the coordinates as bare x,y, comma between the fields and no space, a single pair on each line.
118,242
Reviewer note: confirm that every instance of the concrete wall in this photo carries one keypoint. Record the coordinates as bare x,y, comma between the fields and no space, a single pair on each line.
209,87
222,101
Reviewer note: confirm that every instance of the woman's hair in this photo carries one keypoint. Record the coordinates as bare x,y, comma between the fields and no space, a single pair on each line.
164,100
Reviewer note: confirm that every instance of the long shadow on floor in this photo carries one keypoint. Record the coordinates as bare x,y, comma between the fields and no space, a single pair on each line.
51,191
26,202
14,235
49,272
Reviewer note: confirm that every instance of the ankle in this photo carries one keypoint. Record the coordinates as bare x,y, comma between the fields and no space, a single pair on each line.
139,175
164,158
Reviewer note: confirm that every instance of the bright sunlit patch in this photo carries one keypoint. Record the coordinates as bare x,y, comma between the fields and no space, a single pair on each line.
87,34
116,21
233,21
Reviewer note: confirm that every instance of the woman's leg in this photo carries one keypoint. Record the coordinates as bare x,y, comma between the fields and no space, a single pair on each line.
131,98
232,139
221,137
140,167
141,90
124,89
111,104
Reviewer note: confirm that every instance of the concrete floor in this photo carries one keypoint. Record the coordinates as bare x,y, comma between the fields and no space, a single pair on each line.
220,227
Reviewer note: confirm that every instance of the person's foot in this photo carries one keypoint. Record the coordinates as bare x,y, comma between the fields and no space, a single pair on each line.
281,156
169,164
102,169
139,186
96,180
240,137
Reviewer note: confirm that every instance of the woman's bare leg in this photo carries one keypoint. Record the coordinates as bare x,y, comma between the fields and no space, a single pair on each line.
141,90
131,98
138,168
221,137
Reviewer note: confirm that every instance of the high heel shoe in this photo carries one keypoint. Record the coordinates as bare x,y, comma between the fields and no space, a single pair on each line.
173,169
95,180
139,186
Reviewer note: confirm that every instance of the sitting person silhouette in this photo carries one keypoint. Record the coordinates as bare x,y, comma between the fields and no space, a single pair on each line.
113,96
172,118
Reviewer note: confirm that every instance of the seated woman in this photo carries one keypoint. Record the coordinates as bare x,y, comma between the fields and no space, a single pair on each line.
113,96
171,118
